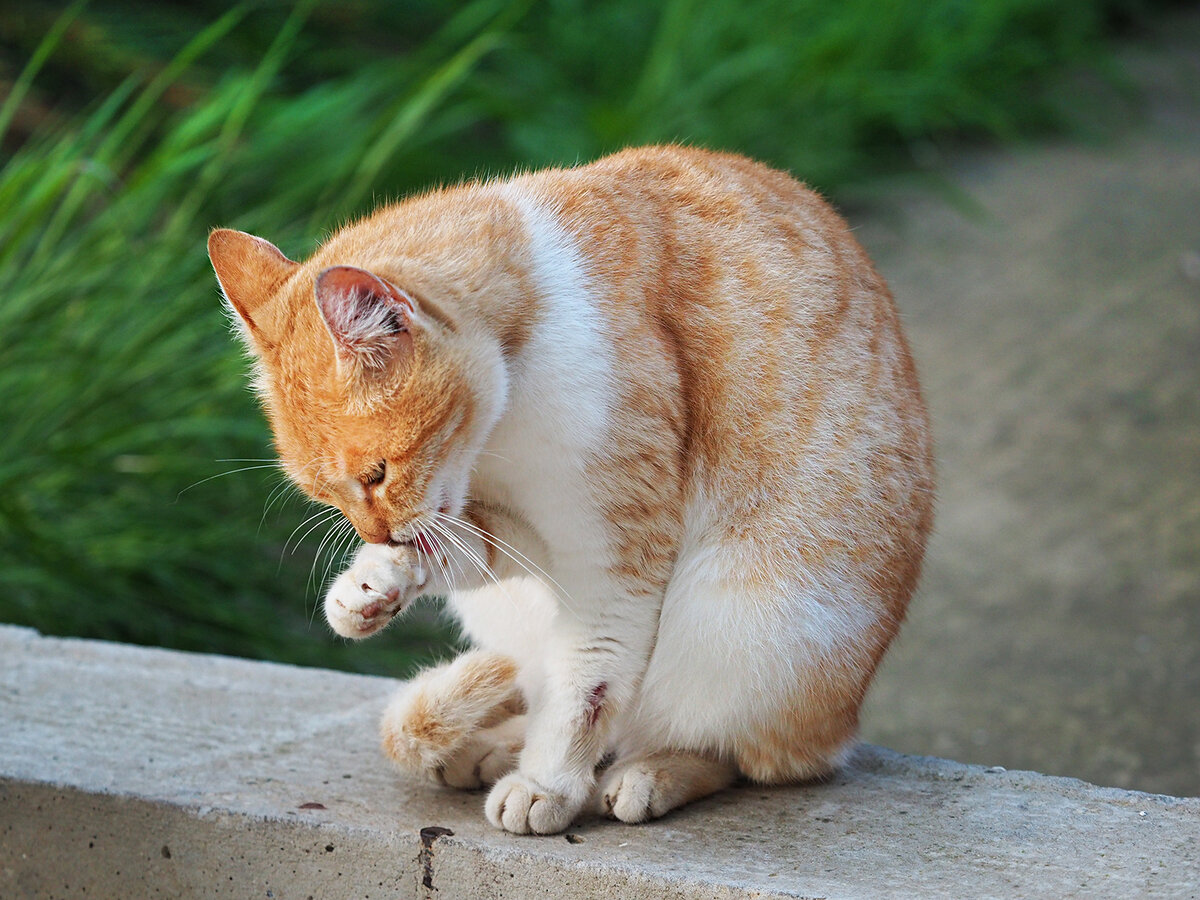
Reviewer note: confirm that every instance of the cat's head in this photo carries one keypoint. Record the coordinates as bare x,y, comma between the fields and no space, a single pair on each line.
379,400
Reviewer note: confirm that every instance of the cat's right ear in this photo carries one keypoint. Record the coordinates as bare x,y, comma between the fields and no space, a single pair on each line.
368,318
250,271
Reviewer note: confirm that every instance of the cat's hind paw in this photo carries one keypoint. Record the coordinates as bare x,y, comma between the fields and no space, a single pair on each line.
520,805
429,722
486,756
646,787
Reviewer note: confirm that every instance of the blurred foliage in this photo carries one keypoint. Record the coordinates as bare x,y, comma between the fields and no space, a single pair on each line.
130,130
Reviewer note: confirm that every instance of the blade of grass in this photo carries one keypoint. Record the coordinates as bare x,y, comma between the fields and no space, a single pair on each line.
119,147
413,112
260,80
41,53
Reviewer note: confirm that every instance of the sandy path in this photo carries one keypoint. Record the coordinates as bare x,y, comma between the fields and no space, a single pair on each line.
1056,322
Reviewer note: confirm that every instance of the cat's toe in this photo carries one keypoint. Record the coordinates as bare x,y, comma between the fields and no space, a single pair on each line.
485,758
630,794
479,763
462,774
508,804
378,586
497,763
357,609
520,805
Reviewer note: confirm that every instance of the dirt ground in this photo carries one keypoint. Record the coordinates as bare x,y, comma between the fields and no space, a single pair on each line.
1052,295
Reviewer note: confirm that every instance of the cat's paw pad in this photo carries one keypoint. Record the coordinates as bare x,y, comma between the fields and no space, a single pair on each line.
632,793
377,587
484,759
522,806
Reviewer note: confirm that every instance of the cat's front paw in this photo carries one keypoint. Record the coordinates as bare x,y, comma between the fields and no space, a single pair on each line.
379,585
519,804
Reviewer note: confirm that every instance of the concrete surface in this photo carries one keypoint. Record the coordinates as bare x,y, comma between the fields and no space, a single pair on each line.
1052,294
131,772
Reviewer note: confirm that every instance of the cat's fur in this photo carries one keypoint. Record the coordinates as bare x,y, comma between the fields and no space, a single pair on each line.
669,397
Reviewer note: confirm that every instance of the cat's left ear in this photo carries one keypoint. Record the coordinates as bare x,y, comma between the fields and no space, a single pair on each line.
250,271
368,317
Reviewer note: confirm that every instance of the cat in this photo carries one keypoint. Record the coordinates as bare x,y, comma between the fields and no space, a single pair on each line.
651,426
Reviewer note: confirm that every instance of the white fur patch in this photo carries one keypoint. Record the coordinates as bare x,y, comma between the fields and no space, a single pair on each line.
560,397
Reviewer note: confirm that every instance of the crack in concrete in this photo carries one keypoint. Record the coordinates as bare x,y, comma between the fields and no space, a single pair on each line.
429,834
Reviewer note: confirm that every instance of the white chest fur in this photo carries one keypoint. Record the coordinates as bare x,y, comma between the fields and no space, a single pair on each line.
560,395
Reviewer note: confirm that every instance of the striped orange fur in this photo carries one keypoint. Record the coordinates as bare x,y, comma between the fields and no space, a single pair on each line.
651,424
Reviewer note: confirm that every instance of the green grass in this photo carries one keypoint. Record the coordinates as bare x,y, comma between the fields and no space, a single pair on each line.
121,393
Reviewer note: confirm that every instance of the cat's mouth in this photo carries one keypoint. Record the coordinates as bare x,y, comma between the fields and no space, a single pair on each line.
420,540
414,536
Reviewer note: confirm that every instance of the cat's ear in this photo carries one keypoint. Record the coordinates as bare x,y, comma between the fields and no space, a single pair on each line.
368,318
249,271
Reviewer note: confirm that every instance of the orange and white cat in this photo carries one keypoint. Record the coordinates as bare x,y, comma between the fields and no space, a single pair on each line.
652,427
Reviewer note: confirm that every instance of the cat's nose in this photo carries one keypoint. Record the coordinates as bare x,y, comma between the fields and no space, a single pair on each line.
374,535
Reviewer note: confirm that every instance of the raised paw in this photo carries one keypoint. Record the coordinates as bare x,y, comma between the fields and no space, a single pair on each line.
647,787
522,806
379,585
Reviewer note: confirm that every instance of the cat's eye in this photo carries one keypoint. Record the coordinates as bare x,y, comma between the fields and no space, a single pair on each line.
375,475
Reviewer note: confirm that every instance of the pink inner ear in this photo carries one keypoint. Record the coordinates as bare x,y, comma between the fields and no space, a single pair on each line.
361,310
348,280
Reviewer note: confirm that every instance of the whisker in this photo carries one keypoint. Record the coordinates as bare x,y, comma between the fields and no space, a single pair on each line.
327,512
323,511
480,564
429,561
341,531
445,568
472,557
279,491
478,561
312,570
512,553
322,462
348,544
493,453
222,475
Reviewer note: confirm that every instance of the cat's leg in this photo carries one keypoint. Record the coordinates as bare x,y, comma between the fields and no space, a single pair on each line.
456,721
650,785
594,656
580,662
462,724
771,668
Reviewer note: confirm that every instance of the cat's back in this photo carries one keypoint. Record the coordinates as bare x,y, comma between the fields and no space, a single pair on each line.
738,267
734,291
783,335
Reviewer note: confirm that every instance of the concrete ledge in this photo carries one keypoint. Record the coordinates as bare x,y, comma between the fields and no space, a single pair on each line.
131,772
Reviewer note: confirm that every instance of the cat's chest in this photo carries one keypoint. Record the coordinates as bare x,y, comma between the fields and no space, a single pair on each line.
538,458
